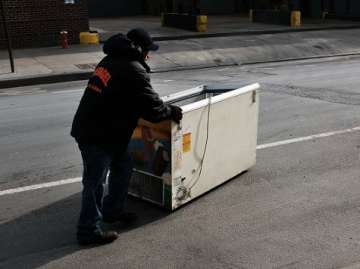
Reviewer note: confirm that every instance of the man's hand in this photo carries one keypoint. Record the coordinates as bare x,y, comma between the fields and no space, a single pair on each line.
176,113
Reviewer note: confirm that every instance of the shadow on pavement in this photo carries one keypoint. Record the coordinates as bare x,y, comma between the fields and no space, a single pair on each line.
47,234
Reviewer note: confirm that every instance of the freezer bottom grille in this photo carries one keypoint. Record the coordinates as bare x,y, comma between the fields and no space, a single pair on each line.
147,187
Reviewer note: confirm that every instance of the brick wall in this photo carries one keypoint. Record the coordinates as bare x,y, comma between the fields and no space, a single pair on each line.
37,23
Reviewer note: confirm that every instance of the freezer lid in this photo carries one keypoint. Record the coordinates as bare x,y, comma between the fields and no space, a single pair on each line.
183,95
220,97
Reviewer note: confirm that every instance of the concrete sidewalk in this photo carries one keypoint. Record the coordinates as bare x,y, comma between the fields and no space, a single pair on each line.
256,43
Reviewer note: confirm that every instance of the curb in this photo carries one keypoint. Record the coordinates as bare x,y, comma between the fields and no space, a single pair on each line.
56,78
44,79
85,75
252,32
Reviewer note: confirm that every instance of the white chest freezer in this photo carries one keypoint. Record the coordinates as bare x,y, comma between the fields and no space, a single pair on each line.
215,141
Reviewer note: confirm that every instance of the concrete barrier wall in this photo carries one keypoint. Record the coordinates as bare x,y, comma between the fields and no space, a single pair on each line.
272,16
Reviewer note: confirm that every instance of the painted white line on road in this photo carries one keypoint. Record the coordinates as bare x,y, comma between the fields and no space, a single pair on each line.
307,138
68,91
260,147
41,186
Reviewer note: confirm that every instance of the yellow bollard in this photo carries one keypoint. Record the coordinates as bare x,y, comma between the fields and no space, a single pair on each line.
201,23
295,20
251,15
89,38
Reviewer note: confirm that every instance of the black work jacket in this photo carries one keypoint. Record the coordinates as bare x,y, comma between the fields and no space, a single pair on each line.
117,95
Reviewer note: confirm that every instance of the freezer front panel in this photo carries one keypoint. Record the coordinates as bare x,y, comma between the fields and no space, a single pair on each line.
150,148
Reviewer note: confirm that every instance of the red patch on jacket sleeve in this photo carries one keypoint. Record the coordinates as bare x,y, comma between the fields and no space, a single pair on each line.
103,74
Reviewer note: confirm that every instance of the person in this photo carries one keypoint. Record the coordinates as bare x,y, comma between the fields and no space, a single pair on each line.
117,95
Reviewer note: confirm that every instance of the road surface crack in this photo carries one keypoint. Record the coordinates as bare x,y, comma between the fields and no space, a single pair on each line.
327,95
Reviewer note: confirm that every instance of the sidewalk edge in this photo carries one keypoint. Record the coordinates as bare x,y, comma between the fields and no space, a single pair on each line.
253,32
85,75
44,79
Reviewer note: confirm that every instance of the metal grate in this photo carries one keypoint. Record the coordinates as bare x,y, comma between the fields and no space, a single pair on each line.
147,187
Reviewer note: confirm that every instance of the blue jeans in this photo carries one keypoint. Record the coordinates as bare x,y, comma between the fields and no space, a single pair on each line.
98,161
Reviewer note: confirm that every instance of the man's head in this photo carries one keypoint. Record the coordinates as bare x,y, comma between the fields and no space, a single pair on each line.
142,39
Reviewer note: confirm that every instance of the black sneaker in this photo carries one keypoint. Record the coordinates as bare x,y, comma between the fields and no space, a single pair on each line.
124,217
101,238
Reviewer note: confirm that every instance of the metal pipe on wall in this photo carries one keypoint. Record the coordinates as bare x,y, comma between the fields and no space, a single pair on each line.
7,36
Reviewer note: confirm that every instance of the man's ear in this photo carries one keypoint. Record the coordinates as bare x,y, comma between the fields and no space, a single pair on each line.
134,46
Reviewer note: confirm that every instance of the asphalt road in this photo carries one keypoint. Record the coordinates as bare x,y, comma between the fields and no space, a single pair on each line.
298,208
